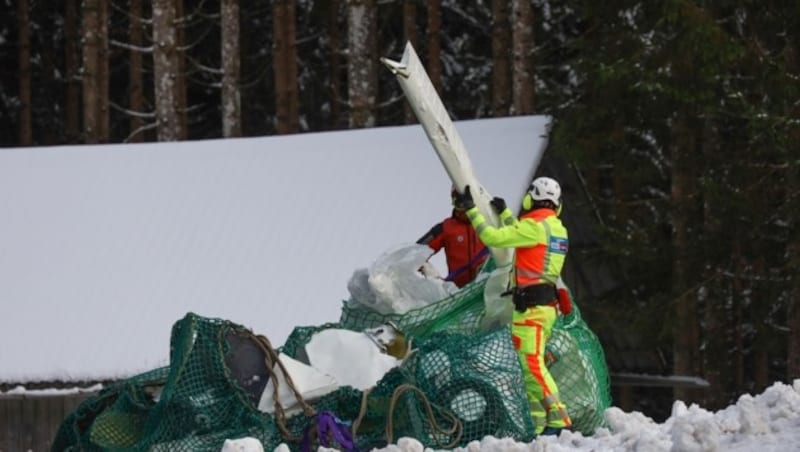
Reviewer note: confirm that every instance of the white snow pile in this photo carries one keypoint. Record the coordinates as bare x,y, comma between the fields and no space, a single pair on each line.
769,422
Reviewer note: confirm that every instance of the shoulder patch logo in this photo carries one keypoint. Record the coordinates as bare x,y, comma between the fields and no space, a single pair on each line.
558,245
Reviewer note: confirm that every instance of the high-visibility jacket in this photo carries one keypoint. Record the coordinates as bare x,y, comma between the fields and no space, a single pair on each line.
540,239
461,247
541,246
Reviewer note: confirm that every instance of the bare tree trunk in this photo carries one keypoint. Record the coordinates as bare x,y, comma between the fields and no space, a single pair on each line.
231,96
180,78
24,55
285,67
685,315
762,342
410,34
72,103
793,251
760,354
793,364
334,47
136,93
793,264
501,63
738,318
435,44
523,45
793,246
362,76
103,74
50,135
166,65
715,334
91,56
715,353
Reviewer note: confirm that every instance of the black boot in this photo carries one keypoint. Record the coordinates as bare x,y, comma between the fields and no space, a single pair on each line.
551,431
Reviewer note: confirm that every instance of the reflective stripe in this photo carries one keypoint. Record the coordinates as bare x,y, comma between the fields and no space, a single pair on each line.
546,264
550,400
556,413
534,275
539,416
528,273
536,369
472,215
558,418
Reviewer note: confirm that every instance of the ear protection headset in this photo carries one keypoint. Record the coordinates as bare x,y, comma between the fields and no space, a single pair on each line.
527,201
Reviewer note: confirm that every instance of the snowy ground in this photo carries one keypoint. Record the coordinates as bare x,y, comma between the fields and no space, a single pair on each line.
768,422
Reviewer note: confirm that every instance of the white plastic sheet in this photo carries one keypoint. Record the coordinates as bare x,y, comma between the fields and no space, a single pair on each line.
312,383
337,358
350,357
393,284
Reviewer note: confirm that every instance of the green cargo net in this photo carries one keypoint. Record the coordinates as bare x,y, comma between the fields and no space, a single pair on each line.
574,354
458,384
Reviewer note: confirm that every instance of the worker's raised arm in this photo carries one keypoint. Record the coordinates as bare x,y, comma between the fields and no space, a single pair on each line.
519,234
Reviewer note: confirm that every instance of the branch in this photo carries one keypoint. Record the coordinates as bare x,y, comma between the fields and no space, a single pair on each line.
141,129
305,39
202,36
129,15
203,67
197,12
586,193
135,114
751,277
133,48
391,101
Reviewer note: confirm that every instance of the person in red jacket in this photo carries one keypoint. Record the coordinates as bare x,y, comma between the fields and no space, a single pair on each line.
463,249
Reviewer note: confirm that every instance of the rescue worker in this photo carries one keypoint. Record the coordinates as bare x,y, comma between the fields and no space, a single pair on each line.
463,251
541,244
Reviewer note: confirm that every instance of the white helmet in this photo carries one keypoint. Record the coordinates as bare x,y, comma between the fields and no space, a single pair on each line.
545,189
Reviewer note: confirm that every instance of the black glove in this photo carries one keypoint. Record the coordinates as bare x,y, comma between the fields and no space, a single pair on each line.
498,204
464,200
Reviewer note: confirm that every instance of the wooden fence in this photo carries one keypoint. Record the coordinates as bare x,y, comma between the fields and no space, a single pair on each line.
30,423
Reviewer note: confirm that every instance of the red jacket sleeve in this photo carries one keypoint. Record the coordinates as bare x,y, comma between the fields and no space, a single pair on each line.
564,298
434,238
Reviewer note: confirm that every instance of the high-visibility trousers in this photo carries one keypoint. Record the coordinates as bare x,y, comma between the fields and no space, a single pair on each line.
530,331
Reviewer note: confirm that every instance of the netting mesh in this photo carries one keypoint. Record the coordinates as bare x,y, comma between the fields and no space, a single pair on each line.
575,357
458,385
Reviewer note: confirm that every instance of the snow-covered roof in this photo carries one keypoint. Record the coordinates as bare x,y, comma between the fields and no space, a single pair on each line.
103,248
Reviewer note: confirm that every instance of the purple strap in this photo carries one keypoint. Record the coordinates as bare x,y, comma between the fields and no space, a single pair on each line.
328,425
461,269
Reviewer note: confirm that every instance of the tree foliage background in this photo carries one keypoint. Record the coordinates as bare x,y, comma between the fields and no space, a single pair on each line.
682,118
